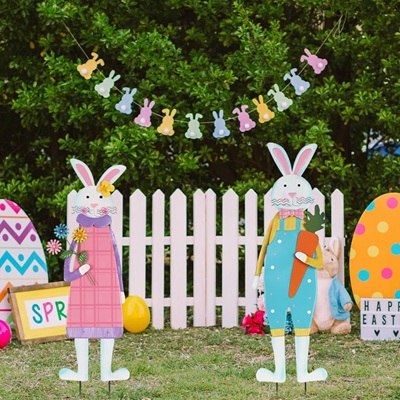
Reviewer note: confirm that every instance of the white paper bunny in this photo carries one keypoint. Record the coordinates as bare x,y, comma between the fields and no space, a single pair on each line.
291,194
96,292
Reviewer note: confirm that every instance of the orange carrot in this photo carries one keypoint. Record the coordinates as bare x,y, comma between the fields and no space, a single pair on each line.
307,242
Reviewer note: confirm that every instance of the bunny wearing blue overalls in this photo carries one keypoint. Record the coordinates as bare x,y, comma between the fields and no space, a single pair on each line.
291,194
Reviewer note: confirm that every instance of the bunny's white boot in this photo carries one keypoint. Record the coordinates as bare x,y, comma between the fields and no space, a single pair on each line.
302,344
82,357
279,376
106,353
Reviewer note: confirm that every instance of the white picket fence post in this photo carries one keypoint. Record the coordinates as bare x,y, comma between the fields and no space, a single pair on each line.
239,234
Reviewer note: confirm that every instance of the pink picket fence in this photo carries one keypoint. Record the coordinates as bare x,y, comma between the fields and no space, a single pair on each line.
218,238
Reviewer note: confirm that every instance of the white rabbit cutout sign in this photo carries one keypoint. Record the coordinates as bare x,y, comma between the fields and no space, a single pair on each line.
96,293
291,194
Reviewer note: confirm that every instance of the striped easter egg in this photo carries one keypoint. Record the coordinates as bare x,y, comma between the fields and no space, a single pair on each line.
22,259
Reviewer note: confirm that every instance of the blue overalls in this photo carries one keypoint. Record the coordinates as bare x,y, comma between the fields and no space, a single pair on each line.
278,265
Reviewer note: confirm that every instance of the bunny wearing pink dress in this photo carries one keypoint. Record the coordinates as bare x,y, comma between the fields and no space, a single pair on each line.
96,292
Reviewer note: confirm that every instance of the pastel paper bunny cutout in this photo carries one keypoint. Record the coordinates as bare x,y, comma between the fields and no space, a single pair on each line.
193,131
264,113
246,123
282,101
291,194
103,88
89,66
299,84
125,104
166,127
317,64
220,129
143,119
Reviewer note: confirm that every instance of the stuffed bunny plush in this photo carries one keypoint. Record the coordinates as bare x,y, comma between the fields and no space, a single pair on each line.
96,293
332,310
291,194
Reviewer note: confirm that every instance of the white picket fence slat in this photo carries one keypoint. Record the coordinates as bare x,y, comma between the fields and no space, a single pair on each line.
239,240
157,259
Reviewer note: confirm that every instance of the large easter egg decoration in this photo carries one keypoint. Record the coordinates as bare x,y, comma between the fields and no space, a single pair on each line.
375,250
22,260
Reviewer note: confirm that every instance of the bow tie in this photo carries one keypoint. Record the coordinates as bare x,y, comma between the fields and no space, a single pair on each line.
291,213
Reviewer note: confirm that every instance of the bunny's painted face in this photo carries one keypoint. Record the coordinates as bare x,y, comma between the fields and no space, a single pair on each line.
92,203
292,192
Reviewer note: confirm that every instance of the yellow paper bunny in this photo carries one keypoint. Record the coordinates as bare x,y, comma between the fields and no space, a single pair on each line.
264,113
87,69
166,127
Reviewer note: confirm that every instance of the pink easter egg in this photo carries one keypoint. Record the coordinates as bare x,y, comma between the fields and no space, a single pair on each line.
5,334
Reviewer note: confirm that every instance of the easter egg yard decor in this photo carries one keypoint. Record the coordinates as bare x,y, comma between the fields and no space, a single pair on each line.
136,314
5,334
22,260
375,250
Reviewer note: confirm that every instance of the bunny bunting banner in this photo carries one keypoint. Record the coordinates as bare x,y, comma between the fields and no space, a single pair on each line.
283,102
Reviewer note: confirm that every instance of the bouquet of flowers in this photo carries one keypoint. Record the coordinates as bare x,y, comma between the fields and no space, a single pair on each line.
79,235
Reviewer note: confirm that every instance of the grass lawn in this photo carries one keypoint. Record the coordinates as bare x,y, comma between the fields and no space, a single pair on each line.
199,363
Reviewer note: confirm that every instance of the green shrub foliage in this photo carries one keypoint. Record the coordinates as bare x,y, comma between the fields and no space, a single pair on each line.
195,56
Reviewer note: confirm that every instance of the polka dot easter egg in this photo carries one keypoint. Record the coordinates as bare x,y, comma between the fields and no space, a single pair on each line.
22,260
375,250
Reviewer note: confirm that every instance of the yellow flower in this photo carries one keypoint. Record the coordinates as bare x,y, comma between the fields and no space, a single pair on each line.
79,235
106,188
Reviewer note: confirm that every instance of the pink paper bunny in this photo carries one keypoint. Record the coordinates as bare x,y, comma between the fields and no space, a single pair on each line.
246,123
317,64
143,119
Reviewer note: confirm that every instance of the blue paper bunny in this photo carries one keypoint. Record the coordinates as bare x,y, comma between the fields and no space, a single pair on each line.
220,130
299,84
125,104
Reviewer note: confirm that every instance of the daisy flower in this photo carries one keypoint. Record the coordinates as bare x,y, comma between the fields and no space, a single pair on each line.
61,231
53,247
79,235
106,188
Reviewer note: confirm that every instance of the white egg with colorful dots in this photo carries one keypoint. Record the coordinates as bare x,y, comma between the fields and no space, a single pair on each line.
22,259
375,250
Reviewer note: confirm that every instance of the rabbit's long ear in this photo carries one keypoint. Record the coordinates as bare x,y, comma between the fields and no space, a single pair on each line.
112,174
303,158
280,157
83,172
334,246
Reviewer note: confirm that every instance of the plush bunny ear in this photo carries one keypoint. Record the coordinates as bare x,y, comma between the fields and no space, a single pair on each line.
83,172
334,246
280,157
112,174
303,159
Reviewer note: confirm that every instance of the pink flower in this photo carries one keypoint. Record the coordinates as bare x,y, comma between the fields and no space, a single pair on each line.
53,247
259,317
255,330
247,321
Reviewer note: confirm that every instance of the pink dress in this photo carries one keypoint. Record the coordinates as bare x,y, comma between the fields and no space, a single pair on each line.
94,310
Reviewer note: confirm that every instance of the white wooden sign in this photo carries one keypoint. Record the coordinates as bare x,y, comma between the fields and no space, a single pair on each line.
380,319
